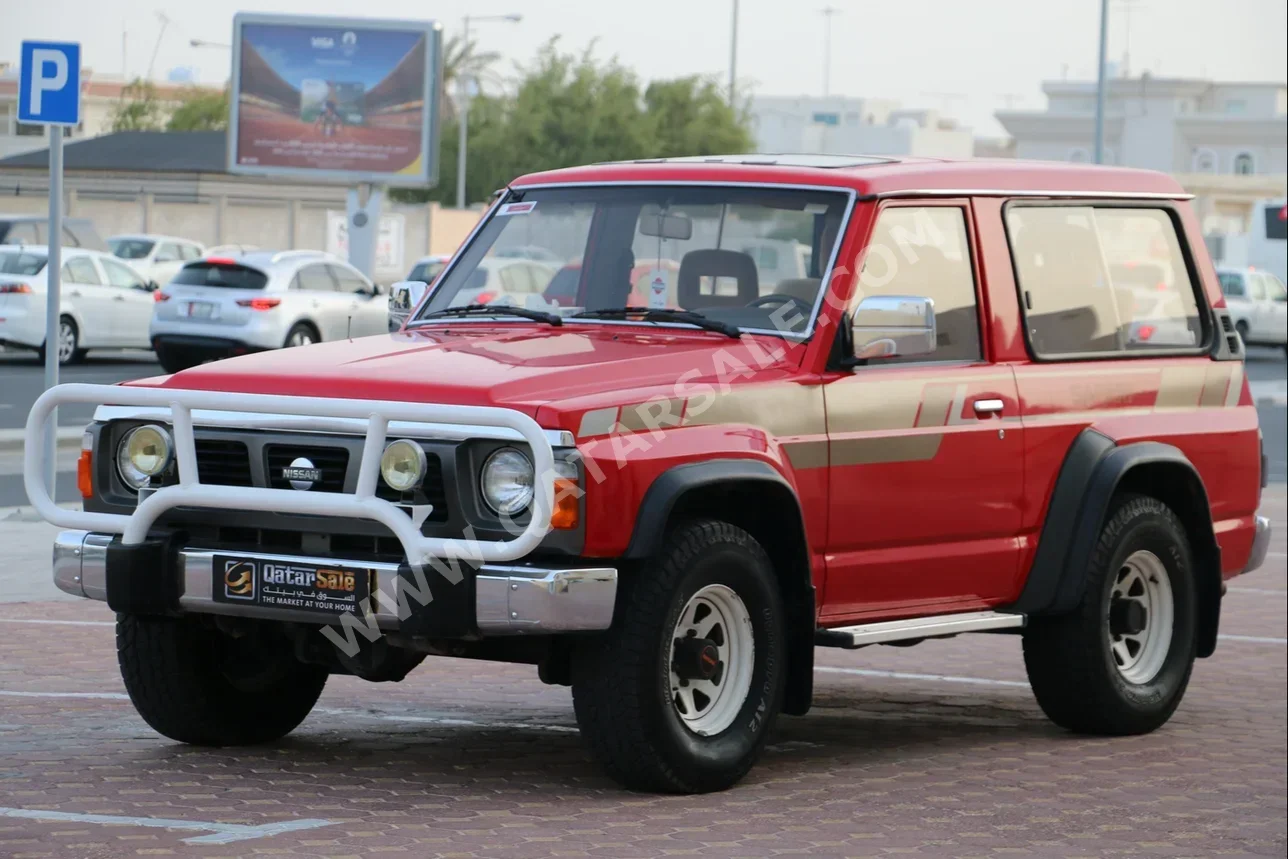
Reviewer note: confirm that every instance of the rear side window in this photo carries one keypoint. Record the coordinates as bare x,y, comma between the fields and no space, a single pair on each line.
81,270
220,274
25,233
1099,280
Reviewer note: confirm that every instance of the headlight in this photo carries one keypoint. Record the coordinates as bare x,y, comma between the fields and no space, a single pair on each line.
143,453
402,465
506,481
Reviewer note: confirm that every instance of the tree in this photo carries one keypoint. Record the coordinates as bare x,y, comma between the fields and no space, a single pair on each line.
200,110
138,108
572,109
458,60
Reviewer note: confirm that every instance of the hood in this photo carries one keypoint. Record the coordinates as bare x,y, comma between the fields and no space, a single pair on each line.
515,366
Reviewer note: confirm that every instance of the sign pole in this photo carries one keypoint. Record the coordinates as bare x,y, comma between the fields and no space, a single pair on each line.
53,295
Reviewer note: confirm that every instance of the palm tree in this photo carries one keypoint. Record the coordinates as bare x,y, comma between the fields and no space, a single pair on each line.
458,60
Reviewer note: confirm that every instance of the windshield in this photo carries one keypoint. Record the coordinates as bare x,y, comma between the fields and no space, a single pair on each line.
752,257
426,271
22,263
130,248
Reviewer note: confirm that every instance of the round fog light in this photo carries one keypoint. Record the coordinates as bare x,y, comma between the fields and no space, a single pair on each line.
402,465
144,453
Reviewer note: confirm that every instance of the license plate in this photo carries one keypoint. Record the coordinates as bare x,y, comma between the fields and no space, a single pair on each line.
198,310
284,584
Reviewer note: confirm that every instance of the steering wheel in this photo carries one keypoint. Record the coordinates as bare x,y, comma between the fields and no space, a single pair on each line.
777,300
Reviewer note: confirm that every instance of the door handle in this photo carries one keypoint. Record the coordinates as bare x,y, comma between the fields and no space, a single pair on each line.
988,407
118,298
75,293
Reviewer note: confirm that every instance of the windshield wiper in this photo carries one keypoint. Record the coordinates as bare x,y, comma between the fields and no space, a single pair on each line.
497,310
661,314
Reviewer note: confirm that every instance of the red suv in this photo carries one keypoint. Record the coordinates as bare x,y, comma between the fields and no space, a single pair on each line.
952,407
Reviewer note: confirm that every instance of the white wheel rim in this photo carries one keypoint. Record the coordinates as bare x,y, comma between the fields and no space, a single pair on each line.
1140,655
66,342
717,615
301,338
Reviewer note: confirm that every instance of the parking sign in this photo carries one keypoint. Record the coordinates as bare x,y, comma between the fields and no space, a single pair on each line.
49,85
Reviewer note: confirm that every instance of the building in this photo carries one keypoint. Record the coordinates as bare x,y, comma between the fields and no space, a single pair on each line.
177,183
838,125
100,94
1226,142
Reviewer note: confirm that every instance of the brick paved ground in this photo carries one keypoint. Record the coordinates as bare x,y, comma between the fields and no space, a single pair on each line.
472,759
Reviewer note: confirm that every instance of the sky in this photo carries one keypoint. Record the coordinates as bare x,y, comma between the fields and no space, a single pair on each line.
967,58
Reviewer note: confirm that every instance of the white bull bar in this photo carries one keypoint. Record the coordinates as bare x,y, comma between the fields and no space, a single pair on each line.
321,414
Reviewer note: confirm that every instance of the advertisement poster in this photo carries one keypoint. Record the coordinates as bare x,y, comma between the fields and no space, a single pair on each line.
333,98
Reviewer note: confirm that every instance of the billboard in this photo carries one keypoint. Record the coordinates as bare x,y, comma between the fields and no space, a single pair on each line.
335,99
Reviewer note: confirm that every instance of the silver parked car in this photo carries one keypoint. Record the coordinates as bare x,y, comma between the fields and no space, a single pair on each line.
220,306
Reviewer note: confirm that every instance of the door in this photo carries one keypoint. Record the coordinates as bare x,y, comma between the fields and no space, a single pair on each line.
927,452
320,300
85,291
369,314
166,262
131,305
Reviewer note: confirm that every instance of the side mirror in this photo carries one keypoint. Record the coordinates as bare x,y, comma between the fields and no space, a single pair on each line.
153,286
890,326
404,297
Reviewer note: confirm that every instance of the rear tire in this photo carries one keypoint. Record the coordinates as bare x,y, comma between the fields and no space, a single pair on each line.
1119,664
707,609
69,351
301,334
195,684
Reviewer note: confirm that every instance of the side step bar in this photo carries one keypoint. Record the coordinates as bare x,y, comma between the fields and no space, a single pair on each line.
937,626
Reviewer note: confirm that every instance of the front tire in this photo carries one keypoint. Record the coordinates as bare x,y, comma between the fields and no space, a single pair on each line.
301,334
194,684
1119,664
679,696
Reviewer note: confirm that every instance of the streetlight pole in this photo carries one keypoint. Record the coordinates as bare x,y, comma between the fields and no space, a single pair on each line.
463,82
828,12
1099,146
733,56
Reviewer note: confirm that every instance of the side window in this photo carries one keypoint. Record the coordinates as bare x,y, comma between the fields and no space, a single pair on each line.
1257,287
315,278
350,281
1275,290
923,251
1096,280
540,277
168,252
1232,285
71,239
189,252
511,280
119,275
81,270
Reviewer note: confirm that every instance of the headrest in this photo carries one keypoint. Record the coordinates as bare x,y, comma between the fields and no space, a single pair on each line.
803,288
696,265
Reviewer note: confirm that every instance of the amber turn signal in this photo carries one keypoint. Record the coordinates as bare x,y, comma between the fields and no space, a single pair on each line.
567,495
85,474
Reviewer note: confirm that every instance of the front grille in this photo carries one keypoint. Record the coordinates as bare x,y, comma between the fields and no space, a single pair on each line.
333,461
223,463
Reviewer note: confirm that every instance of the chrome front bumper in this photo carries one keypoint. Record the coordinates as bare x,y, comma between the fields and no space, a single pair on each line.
1260,545
509,599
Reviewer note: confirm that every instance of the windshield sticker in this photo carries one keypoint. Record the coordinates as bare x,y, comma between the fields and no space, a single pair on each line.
656,289
517,208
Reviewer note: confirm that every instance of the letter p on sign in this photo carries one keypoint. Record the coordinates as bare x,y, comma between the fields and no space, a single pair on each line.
49,89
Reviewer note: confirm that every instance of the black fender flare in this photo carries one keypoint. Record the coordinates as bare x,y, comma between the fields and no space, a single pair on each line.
665,496
1093,470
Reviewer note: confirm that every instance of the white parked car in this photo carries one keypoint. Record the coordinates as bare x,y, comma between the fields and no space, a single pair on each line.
217,306
1258,304
104,303
428,267
157,258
